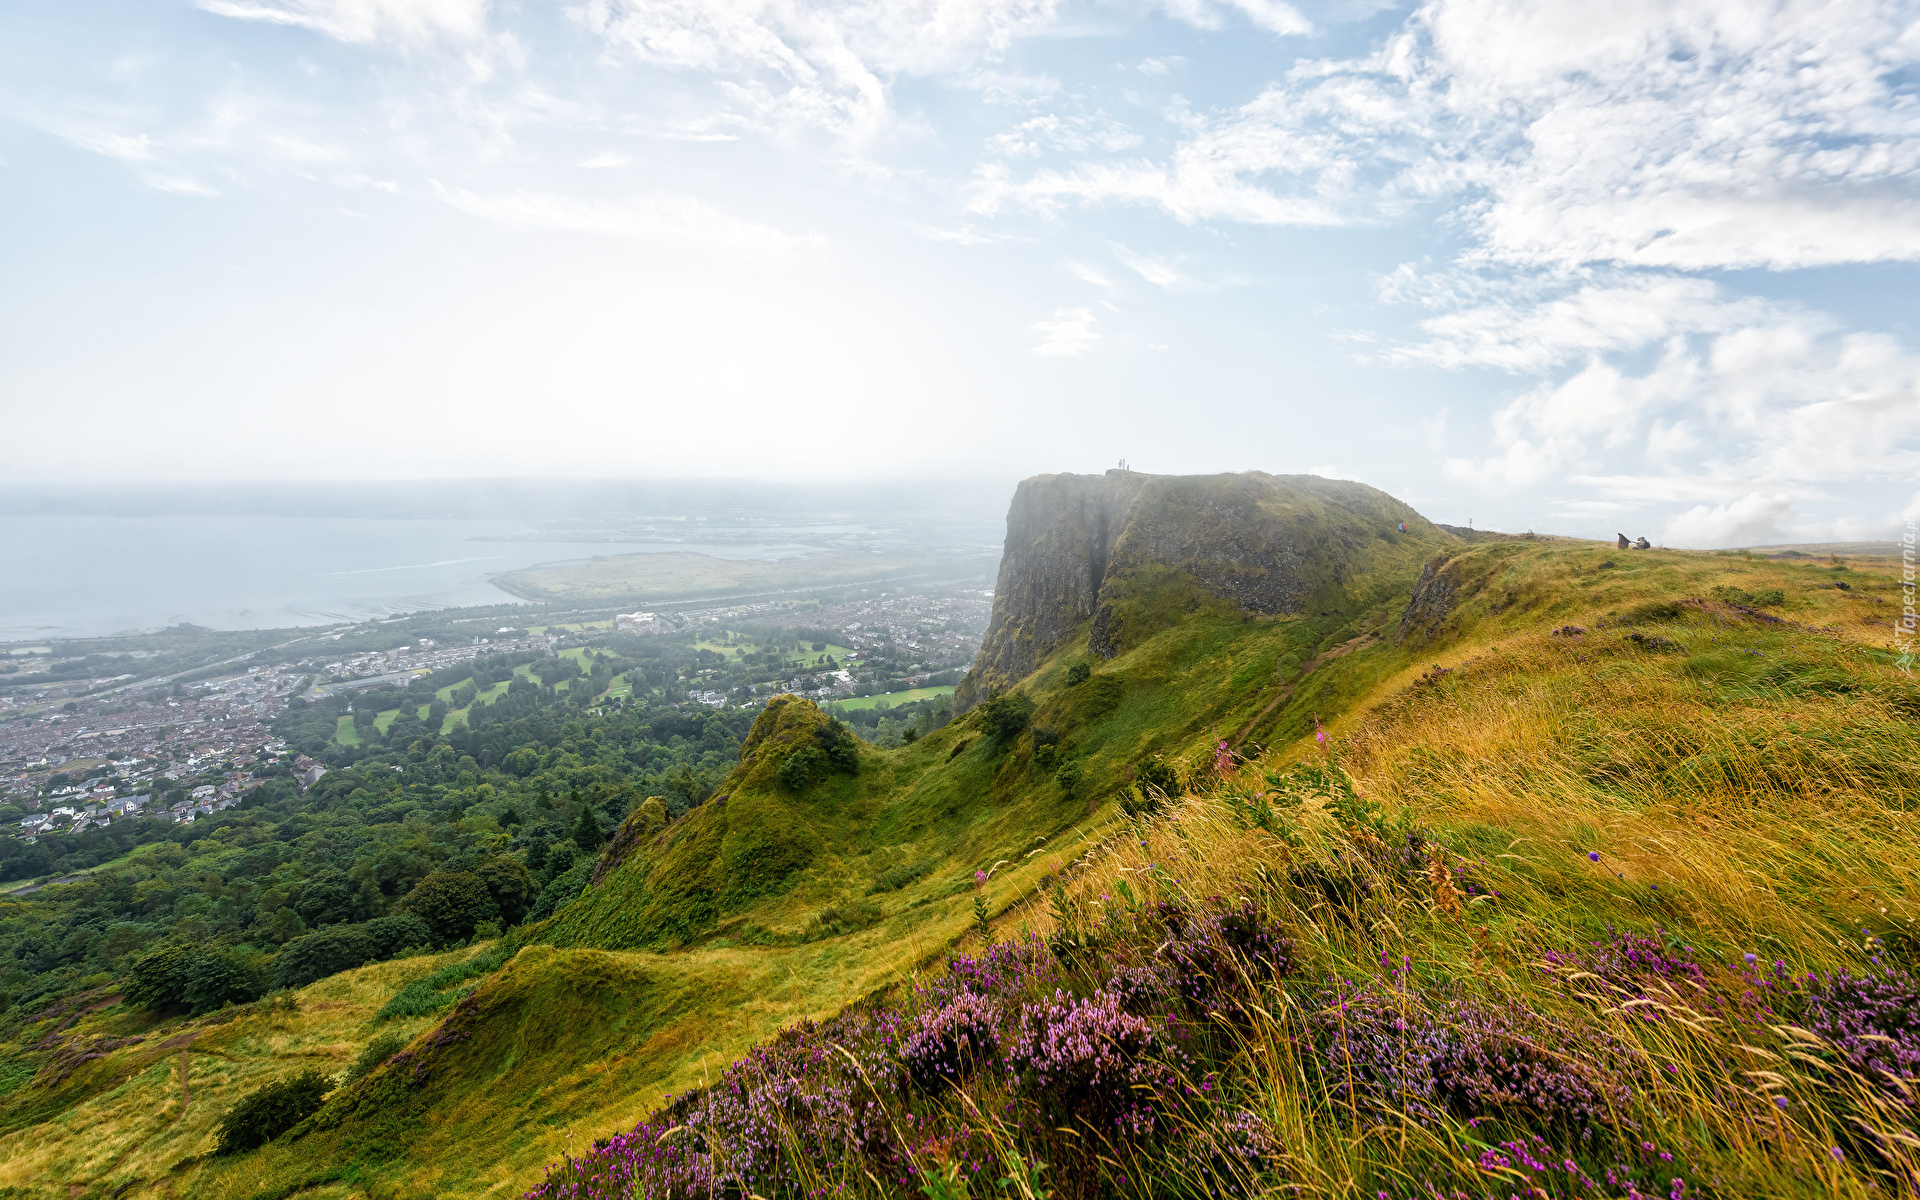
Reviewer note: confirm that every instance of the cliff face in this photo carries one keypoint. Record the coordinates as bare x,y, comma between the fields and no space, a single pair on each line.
1132,552
1060,535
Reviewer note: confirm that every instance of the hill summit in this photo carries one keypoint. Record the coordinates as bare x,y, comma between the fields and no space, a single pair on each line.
1135,553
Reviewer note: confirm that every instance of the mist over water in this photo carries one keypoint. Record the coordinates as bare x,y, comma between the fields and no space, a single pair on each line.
72,576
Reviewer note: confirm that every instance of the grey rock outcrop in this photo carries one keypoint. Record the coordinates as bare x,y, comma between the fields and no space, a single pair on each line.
1060,535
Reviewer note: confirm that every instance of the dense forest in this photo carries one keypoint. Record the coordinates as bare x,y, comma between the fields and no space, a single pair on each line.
517,805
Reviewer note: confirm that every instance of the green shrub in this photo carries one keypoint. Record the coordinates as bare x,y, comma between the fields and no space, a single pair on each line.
383,1047
14,1072
1077,674
323,953
451,903
1003,717
846,918
197,978
802,767
1135,803
1157,775
1650,612
507,881
268,1112
563,889
839,745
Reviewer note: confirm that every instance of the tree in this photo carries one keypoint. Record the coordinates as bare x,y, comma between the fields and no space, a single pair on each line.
285,925
197,978
1068,776
1003,717
510,886
1077,673
318,955
329,898
451,903
839,745
587,833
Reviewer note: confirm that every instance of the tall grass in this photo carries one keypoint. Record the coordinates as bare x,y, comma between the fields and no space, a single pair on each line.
1585,916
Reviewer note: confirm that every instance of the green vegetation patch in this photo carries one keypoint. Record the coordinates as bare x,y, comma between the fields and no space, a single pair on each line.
439,989
893,698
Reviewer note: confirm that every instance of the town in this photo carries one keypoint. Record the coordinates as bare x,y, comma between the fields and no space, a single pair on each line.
107,745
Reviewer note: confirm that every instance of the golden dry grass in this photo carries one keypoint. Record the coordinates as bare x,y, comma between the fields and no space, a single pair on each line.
1737,816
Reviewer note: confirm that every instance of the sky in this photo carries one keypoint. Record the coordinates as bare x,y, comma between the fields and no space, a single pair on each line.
1644,267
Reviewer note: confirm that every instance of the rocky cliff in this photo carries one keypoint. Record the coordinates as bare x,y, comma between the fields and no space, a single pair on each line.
1124,552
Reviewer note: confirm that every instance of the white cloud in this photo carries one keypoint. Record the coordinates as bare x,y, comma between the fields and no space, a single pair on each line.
1689,134
126,147
414,21
1332,471
1052,132
1156,269
827,66
963,235
292,147
1753,520
657,217
606,160
1526,330
1274,16
1091,274
1784,400
1069,333
178,185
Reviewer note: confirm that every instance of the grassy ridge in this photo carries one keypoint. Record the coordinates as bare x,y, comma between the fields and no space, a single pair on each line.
1565,847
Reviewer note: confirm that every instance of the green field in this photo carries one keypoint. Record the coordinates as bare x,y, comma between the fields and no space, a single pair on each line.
807,658
893,699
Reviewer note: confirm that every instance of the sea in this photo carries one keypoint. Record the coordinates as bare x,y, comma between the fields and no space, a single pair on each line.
88,576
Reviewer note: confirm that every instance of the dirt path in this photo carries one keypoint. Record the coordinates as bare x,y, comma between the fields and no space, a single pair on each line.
1287,689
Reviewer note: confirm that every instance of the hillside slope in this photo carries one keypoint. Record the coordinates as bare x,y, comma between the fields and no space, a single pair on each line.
1623,907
